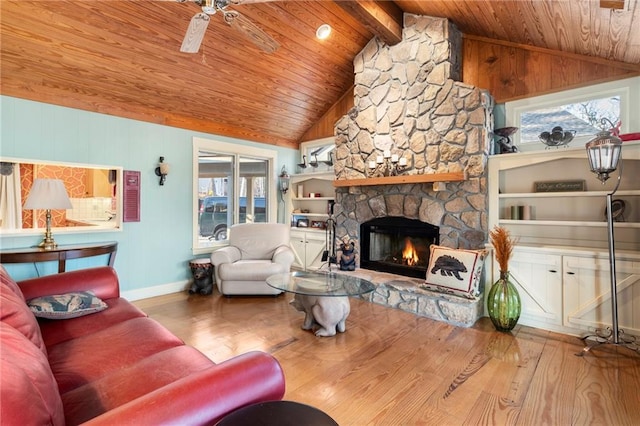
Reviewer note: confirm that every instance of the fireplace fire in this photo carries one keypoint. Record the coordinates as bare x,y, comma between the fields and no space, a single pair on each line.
409,253
397,245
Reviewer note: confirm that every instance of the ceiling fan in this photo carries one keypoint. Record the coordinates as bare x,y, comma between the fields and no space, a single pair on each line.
200,21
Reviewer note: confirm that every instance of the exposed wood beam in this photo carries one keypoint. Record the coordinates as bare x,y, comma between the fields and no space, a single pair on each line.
384,19
614,4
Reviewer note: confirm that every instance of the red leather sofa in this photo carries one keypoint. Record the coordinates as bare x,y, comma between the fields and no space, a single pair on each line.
113,367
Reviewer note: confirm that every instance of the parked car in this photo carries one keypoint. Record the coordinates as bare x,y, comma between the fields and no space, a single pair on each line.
215,216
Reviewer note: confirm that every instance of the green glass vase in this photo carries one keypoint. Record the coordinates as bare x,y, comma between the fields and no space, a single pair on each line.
503,303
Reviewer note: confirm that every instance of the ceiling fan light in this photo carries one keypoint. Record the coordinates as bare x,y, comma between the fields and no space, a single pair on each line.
209,7
323,31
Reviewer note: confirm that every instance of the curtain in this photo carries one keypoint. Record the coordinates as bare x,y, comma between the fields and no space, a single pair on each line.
10,200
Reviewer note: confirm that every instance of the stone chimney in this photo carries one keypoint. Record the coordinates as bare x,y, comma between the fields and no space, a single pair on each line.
408,101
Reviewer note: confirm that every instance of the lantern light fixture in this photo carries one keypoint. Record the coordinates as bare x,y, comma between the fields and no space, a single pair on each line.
604,153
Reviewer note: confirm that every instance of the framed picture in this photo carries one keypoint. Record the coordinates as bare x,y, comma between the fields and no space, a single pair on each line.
318,224
302,223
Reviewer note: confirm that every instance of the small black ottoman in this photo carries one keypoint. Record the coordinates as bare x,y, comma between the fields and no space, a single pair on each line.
277,413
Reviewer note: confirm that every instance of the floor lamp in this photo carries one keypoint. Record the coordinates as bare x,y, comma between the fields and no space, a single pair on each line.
604,154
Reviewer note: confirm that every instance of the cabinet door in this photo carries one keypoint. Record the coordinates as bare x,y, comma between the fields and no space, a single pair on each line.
315,246
587,297
297,243
538,277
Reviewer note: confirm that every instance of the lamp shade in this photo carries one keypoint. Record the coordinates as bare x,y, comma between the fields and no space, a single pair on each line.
48,194
603,153
164,168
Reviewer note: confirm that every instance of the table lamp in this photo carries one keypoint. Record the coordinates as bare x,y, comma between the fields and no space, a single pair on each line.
604,153
48,194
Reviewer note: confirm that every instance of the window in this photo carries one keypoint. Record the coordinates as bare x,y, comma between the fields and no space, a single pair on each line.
95,193
233,184
319,154
578,111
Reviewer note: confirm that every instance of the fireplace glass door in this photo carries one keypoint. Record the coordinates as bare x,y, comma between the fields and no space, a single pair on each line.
397,245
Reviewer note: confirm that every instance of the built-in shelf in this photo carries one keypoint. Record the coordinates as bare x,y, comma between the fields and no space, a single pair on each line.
602,224
567,194
568,218
403,179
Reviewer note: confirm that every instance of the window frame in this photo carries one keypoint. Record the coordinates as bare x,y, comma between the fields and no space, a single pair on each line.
236,151
628,89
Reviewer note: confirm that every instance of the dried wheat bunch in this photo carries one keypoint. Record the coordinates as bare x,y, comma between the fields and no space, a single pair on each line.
503,244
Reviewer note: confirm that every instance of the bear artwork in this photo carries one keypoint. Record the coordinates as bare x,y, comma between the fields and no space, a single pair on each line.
202,272
328,313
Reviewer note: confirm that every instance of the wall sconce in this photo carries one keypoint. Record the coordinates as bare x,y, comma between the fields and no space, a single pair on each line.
162,170
284,180
48,194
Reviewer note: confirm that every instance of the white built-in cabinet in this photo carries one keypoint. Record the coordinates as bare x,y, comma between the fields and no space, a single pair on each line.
567,289
587,294
561,263
310,197
538,276
308,248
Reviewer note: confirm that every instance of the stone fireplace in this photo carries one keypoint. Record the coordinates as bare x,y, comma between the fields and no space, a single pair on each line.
409,104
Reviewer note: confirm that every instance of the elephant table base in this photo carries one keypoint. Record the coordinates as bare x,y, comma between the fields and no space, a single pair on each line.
328,313
323,297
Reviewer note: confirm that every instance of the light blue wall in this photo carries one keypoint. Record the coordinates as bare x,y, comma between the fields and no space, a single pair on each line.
152,252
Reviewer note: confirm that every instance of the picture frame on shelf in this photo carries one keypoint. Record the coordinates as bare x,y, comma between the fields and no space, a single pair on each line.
318,224
302,223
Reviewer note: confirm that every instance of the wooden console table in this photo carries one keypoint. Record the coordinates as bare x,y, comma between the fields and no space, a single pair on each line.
60,254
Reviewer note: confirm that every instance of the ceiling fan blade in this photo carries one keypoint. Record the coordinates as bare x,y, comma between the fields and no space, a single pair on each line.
251,30
195,33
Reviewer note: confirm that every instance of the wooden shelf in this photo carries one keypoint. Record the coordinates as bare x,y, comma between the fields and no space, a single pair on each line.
403,179
631,192
586,223
310,214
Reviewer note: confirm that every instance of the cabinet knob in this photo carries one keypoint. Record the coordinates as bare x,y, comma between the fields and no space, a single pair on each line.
552,271
571,273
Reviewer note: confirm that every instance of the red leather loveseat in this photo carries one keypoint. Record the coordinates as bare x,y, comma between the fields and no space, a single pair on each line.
113,367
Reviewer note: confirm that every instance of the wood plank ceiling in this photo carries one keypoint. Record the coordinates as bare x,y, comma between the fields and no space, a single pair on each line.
122,57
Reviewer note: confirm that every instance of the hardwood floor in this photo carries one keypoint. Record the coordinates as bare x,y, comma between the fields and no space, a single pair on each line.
394,368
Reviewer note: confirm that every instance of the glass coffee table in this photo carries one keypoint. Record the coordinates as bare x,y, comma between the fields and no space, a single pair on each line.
323,297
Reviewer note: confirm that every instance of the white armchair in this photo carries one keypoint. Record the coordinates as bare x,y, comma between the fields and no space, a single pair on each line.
255,251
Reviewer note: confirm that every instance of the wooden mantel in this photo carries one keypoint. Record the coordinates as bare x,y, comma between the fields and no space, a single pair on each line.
403,179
